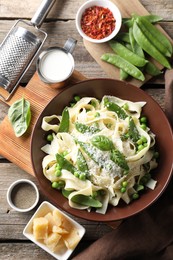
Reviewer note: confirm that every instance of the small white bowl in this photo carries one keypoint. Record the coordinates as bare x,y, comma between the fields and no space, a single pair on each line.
43,209
19,187
103,3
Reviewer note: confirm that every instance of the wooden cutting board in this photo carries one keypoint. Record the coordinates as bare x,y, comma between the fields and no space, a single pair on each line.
17,150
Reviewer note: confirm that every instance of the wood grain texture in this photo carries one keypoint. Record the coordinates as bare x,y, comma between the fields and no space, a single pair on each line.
39,94
60,25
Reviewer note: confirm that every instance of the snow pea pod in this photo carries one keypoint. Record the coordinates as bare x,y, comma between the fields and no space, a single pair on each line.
66,193
65,164
151,18
81,162
119,159
86,201
156,37
123,75
151,69
119,62
92,152
64,124
133,131
136,48
85,129
102,142
146,45
124,36
126,54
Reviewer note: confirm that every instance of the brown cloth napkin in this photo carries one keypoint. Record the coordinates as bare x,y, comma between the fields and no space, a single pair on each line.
147,235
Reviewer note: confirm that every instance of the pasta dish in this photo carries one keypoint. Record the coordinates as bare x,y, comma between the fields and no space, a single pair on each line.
99,152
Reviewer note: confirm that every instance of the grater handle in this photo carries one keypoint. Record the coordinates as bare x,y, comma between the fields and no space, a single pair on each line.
42,12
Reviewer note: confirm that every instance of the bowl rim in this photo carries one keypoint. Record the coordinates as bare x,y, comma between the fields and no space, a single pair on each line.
9,193
105,3
96,218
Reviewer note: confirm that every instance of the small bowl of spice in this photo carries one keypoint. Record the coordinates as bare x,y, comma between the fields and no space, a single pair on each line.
22,195
98,21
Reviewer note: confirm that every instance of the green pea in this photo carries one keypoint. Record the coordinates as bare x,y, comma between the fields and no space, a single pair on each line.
143,119
126,106
55,185
76,98
58,172
82,176
49,138
124,184
123,189
144,139
76,174
139,142
140,147
143,126
58,167
135,196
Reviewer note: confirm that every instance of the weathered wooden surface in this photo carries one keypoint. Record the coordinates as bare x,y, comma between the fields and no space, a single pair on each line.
60,25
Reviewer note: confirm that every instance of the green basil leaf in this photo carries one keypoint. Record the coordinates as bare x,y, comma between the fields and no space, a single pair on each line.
102,142
19,115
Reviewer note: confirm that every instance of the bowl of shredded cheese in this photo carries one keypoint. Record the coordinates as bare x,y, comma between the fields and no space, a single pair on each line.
98,21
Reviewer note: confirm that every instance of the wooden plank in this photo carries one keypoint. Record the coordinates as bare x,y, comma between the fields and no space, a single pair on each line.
67,9
29,251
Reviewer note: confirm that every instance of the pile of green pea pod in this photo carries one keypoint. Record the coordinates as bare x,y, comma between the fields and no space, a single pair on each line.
134,48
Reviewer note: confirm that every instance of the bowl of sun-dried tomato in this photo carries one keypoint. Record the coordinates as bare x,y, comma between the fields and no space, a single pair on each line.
98,21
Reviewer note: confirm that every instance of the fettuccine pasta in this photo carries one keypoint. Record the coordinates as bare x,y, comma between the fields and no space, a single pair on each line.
99,152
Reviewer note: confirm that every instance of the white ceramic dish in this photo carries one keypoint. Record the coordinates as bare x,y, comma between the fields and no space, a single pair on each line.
43,209
106,4
20,183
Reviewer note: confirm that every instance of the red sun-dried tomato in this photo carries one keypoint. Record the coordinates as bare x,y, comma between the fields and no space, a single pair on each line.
97,22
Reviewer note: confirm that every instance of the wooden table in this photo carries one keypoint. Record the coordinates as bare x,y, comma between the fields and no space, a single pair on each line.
60,24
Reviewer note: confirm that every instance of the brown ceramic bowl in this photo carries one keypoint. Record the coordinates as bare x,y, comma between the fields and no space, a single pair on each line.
158,124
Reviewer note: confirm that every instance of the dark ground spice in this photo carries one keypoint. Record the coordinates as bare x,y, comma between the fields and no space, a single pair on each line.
23,195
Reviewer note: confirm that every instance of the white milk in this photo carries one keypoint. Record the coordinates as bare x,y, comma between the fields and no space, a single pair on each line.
56,65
